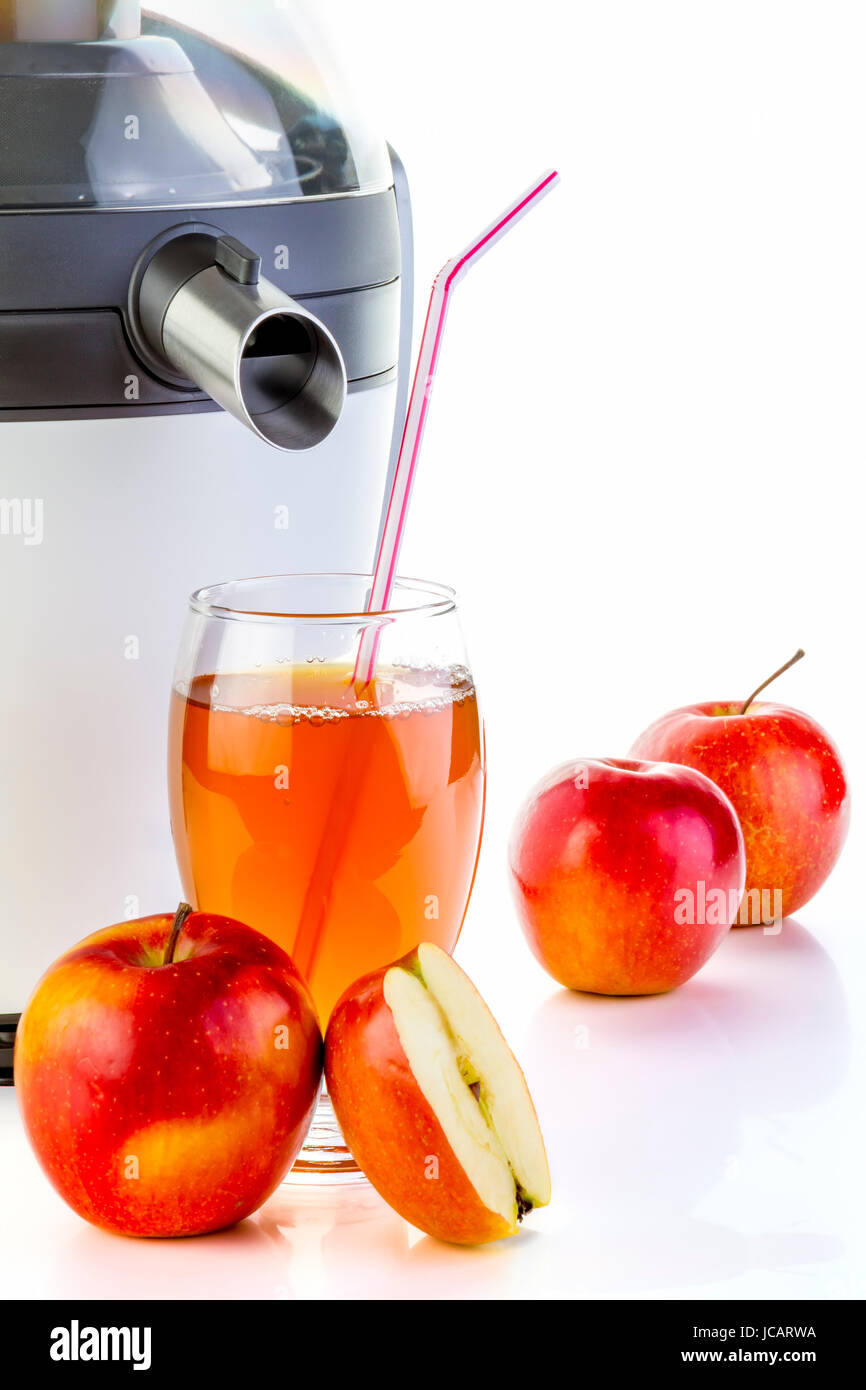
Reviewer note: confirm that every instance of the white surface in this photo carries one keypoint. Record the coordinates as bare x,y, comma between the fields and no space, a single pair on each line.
643,471
706,1143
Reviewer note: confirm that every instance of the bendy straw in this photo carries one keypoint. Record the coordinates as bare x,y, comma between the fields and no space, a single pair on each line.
428,360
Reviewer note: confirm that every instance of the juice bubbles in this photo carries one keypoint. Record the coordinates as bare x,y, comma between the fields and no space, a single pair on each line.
345,826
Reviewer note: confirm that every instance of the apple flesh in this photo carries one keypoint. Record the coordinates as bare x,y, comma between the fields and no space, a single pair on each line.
432,1102
169,1099
784,776
605,857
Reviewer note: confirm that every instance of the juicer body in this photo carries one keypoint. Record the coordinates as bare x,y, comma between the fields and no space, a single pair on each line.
123,486
135,515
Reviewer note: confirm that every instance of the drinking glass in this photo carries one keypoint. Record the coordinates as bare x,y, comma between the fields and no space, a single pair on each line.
341,819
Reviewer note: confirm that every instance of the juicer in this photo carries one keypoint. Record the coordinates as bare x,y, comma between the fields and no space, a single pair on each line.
205,330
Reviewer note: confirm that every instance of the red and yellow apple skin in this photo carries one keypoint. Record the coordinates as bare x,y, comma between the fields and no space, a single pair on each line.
389,1126
783,775
169,1100
600,857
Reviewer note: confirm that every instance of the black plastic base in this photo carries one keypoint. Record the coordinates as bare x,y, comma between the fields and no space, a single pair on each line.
8,1028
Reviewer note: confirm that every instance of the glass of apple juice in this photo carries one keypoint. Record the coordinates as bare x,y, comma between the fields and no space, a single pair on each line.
342,818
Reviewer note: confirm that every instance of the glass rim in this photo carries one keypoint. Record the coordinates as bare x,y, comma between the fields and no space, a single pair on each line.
434,600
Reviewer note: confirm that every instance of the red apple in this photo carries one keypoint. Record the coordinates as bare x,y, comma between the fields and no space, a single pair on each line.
169,1099
432,1102
785,778
627,875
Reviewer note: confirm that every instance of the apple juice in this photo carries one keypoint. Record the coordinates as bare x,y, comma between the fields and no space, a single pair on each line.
342,822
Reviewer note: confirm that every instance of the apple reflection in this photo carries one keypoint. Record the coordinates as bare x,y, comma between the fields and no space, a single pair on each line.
646,1104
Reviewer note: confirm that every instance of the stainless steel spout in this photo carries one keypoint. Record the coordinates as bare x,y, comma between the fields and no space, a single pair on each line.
260,355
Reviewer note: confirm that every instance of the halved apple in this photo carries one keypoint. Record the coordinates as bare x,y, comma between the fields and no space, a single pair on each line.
432,1102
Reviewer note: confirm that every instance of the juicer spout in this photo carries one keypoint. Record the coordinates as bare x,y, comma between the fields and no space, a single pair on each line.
209,316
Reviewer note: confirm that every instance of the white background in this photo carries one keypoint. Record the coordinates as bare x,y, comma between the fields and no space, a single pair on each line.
643,472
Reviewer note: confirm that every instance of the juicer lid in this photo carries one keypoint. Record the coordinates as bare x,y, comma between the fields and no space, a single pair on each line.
182,103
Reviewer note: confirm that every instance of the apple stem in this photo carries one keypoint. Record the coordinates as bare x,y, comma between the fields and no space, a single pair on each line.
798,656
177,927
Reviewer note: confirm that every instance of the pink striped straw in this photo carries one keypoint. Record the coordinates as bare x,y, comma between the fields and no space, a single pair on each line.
393,531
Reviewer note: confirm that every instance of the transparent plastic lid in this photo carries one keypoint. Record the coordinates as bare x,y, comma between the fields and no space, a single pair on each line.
109,103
